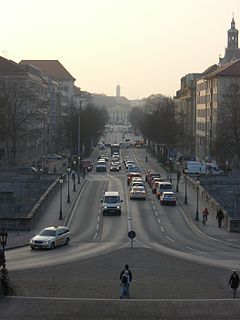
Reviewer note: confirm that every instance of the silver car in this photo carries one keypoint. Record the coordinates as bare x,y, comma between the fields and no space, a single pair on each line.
51,237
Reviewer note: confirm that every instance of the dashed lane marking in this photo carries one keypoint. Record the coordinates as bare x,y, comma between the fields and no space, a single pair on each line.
156,213
162,229
95,236
159,220
195,250
170,239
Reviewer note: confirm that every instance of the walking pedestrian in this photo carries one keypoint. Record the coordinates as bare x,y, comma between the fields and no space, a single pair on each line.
205,214
234,282
125,273
219,217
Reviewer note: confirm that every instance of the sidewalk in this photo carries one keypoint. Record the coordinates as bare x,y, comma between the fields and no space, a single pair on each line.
51,214
211,229
52,211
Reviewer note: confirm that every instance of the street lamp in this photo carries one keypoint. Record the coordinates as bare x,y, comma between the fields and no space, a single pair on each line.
185,197
4,272
197,213
61,183
68,194
79,158
74,181
178,177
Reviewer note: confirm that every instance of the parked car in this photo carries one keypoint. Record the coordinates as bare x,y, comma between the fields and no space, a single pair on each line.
54,156
51,237
27,170
168,198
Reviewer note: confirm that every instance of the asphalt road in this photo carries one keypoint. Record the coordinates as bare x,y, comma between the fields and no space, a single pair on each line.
173,276
163,287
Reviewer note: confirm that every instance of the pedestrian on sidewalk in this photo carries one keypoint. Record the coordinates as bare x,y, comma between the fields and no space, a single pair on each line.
219,217
205,214
125,278
234,282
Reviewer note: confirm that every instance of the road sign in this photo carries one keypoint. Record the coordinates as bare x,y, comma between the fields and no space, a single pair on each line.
131,234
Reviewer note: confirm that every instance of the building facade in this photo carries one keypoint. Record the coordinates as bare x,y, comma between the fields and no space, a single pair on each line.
210,91
186,113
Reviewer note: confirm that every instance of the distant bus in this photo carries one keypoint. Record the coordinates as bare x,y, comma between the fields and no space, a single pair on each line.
115,148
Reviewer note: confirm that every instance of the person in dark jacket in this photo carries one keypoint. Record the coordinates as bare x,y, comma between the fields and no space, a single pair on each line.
128,272
219,217
234,282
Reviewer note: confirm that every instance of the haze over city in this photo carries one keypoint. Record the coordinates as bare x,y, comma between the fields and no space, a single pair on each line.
146,46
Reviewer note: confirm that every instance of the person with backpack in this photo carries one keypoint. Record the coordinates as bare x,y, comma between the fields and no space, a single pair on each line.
125,285
125,288
205,214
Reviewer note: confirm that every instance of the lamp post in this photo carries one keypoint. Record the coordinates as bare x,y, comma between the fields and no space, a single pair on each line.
79,158
197,213
178,177
60,211
74,181
4,272
68,194
185,197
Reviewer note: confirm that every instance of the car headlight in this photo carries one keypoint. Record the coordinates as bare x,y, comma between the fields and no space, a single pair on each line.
31,241
105,207
118,207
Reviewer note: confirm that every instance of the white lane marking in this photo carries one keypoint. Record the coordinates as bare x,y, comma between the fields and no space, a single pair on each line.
97,226
196,250
162,229
170,239
159,220
156,213
98,218
154,208
95,236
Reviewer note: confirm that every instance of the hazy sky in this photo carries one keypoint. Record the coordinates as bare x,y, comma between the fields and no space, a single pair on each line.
144,45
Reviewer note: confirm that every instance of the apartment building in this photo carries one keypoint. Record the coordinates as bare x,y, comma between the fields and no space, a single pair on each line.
210,91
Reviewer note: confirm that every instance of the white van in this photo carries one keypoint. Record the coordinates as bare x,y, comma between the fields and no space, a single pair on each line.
195,167
111,203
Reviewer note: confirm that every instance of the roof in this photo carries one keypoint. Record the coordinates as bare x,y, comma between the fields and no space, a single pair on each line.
229,69
52,68
210,69
10,67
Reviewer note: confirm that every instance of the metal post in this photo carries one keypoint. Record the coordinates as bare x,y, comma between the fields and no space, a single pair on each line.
185,197
61,183
4,272
78,170
197,213
68,194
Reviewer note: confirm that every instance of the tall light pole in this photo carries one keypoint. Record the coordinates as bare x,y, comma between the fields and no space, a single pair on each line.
79,159
4,272
197,213
185,197
178,176
68,194
60,211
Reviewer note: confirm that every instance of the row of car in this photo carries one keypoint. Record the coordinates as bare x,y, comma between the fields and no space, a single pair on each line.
162,188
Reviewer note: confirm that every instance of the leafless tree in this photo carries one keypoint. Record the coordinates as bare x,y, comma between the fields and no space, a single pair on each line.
21,109
227,145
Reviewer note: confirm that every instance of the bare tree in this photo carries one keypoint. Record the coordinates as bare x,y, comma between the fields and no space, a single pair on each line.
227,144
22,108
